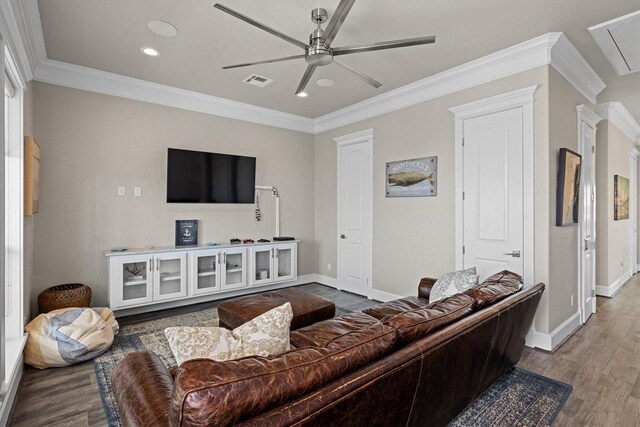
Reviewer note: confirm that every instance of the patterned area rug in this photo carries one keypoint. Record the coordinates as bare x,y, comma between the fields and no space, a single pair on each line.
519,398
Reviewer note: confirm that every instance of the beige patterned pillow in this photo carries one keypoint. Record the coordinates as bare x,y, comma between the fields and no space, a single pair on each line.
266,335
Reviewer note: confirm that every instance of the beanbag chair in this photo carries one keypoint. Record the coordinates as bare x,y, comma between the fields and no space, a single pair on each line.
69,335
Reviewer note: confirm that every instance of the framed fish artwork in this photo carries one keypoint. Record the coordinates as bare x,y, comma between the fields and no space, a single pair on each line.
412,178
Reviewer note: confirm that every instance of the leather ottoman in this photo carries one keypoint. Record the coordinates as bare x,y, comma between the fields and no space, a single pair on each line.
307,308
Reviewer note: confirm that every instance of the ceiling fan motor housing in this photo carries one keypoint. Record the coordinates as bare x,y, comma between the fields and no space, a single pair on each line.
317,53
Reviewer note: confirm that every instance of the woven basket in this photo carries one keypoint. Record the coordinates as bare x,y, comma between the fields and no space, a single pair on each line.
63,296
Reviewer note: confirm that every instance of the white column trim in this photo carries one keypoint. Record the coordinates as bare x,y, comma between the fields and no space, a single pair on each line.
521,98
618,114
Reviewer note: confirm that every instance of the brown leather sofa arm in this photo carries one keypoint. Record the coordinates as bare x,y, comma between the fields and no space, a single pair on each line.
424,287
142,388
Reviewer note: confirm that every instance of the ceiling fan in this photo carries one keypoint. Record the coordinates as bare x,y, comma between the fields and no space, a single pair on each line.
319,51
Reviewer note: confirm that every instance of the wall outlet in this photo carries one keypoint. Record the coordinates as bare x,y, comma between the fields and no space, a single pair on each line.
137,191
120,190
571,300
329,267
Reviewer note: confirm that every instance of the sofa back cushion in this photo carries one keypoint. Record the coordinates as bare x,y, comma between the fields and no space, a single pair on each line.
412,321
208,392
495,288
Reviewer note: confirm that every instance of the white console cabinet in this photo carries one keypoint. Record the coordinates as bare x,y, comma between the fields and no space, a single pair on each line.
273,264
141,277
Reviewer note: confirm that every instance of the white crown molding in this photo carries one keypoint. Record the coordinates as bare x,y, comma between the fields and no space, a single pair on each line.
75,76
11,19
618,114
588,116
551,48
567,61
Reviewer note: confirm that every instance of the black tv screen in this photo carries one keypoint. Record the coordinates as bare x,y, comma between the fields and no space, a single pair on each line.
200,177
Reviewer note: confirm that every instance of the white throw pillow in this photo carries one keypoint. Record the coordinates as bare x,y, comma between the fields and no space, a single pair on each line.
453,283
265,335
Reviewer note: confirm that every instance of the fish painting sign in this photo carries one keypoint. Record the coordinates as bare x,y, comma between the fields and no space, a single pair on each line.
412,178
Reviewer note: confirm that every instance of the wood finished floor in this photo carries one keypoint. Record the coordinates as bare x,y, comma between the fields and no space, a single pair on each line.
601,361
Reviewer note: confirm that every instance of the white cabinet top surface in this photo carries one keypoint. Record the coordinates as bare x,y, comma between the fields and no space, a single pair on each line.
156,249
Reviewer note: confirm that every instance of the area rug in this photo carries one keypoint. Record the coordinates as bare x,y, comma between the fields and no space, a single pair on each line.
519,398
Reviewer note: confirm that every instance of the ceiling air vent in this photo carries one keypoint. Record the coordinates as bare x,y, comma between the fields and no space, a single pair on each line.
618,40
257,80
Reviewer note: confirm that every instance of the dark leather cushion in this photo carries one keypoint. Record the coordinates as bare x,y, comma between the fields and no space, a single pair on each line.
495,288
208,392
307,308
413,320
322,333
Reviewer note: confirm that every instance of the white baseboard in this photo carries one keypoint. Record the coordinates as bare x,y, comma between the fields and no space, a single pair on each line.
384,296
550,342
614,288
326,280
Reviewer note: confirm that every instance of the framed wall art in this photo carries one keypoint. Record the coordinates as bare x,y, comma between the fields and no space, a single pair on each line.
620,198
412,178
568,192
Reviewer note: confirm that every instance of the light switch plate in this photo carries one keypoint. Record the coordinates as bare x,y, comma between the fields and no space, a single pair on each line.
120,190
137,191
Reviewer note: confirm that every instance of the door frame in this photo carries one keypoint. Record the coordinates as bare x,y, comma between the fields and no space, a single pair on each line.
366,137
520,98
633,208
591,119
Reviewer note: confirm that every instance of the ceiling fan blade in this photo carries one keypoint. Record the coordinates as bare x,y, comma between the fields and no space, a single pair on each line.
259,25
305,78
392,44
362,76
266,61
336,20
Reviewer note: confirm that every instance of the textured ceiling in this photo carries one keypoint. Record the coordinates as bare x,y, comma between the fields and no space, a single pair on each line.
107,35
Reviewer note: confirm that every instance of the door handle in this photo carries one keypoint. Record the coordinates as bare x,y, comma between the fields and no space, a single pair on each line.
515,254
342,236
586,245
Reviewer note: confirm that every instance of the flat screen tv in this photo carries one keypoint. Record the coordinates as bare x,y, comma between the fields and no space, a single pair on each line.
200,177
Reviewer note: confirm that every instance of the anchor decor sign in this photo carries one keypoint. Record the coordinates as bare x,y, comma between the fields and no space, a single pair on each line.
412,178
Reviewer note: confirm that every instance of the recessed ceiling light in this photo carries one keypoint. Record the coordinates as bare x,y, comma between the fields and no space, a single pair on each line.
162,28
150,51
302,94
325,82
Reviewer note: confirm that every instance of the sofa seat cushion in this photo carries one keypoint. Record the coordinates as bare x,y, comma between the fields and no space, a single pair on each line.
495,288
209,392
413,321
322,333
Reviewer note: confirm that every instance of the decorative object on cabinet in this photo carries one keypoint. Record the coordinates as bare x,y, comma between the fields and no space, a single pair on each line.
263,240
31,175
412,178
186,232
283,239
245,241
235,241
568,191
64,296
620,198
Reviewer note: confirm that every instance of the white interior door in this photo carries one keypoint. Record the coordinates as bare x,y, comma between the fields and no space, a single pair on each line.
587,134
493,193
355,170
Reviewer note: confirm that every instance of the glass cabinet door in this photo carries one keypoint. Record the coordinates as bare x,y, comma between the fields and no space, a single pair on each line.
204,269
234,268
261,265
170,275
285,262
135,280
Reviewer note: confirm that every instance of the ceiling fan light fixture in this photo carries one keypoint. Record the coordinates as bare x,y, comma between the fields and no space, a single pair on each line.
325,82
150,51
302,94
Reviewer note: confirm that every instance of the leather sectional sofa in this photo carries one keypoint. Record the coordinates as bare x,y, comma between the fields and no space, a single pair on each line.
405,362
